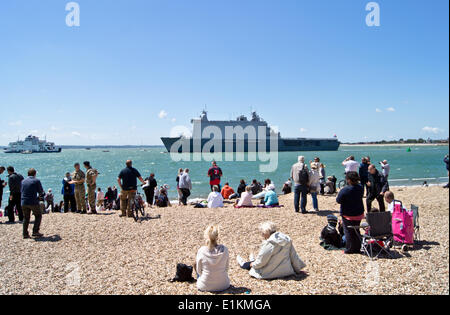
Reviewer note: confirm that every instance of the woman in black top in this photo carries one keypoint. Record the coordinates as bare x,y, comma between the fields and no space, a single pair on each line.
352,211
150,189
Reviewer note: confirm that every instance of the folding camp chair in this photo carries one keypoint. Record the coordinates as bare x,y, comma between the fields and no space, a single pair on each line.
415,210
378,230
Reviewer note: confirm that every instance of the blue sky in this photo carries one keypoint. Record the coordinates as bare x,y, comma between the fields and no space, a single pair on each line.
311,68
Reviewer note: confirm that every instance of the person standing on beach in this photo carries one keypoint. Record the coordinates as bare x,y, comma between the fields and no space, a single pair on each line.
127,181
68,192
180,173
300,175
91,182
2,184
31,191
385,169
377,188
215,174
150,189
15,195
446,161
350,165
364,173
78,179
185,186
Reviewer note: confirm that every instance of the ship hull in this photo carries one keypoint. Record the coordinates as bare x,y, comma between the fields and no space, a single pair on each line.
21,151
187,145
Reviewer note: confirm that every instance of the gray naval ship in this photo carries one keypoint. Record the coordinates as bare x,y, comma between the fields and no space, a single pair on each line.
257,141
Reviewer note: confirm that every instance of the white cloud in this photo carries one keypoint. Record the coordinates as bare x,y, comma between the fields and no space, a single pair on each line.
434,130
391,109
174,120
162,114
16,123
76,134
378,110
53,128
303,130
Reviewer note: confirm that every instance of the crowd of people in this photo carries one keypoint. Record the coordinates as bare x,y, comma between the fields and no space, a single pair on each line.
277,257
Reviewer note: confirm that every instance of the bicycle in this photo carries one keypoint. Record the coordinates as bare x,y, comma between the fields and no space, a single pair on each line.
342,183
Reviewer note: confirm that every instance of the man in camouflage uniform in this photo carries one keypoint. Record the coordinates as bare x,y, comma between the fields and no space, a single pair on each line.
78,178
91,183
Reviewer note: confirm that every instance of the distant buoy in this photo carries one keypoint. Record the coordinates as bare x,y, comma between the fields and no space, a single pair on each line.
409,150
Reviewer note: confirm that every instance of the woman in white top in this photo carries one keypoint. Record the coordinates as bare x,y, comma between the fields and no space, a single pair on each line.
246,198
215,198
212,263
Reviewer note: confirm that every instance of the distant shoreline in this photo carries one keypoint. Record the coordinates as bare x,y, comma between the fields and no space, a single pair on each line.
393,144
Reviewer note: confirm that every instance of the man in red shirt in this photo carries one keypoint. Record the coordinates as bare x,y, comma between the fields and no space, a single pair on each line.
214,174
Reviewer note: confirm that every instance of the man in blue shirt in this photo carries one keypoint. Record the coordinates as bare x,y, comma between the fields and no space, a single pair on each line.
31,192
127,181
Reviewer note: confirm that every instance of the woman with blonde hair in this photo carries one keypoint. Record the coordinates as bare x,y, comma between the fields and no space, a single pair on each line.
277,257
212,263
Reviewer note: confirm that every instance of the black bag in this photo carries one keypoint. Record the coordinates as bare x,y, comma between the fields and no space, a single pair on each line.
184,274
303,176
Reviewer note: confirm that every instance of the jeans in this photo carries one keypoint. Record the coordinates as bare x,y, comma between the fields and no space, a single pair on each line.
300,191
315,201
15,201
27,210
352,240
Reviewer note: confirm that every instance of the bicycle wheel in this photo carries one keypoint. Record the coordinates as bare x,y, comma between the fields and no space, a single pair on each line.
142,209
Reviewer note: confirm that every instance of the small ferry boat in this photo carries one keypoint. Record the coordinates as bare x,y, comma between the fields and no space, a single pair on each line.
32,144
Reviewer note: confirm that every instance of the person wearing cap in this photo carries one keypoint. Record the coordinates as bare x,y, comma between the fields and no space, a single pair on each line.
271,198
330,235
49,199
314,184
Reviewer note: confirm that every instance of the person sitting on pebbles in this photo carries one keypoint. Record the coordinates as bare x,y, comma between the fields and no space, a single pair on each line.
212,263
277,257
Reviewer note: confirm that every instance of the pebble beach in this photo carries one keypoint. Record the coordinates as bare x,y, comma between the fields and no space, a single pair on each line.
105,254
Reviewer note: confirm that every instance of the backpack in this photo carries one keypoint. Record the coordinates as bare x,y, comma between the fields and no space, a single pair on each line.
303,176
184,274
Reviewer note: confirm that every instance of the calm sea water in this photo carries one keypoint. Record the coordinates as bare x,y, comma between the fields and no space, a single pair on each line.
422,162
